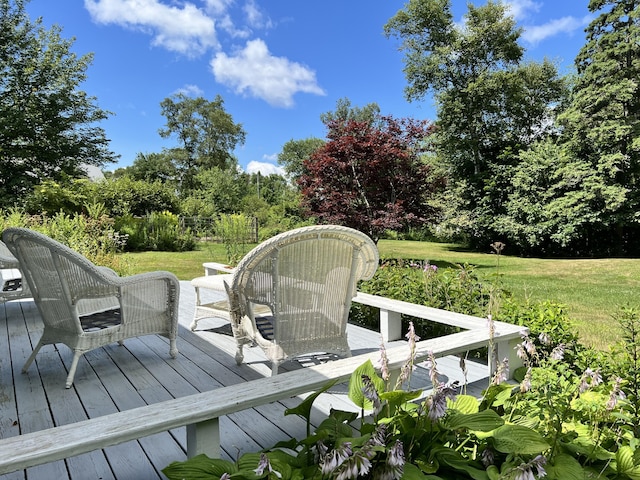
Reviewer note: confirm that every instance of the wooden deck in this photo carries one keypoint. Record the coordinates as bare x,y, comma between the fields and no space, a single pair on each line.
117,378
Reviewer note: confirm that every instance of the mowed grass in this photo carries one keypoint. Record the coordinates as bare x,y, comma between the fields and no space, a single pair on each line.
592,290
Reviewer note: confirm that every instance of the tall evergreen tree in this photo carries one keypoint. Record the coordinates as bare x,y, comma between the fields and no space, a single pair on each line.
48,126
602,124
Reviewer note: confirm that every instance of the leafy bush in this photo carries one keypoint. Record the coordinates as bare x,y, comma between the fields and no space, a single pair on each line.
557,424
235,232
159,231
456,289
549,326
92,236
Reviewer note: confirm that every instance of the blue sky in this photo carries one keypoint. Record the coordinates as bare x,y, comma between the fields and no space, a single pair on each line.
277,64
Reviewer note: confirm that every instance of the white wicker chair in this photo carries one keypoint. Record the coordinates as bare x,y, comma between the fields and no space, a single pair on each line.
85,306
307,277
14,287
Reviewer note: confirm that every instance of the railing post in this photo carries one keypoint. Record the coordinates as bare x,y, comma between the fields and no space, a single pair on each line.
204,437
505,350
390,325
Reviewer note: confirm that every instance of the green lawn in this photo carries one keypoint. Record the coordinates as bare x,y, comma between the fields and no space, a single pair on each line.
592,289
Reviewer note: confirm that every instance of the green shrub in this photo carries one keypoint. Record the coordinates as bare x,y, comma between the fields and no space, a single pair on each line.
235,232
456,289
92,236
159,231
549,326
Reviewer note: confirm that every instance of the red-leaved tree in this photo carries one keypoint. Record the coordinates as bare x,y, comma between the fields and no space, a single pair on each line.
369,175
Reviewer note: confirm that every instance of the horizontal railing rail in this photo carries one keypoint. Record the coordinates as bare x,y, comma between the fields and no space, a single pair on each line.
200,412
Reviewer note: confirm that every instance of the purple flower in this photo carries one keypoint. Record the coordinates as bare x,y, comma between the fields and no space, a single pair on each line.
433,370
558,352
384,363
265,464
615,395
521,352
370,393
356,466
488,457
379,437
492,327
502,372
428,268
335,458
525,385
544,338
525,470
528,345
589,379
437,402
408,366
412,337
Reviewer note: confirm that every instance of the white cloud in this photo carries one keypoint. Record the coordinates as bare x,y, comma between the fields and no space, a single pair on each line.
218,7
264,168
187,29
568,25
521,8
191,91
254,71
255,16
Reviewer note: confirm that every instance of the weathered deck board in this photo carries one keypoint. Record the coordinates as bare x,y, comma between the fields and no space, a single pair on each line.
117,378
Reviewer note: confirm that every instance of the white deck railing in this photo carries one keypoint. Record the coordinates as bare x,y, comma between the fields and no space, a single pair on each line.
200,413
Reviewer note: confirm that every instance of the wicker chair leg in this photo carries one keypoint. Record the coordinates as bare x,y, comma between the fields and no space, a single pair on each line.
32,357
173,349
72,370
239,354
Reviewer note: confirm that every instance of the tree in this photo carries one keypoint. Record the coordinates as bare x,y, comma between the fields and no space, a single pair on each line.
490,104
206,132
153,166
345,112
602,123
47,124
294,153
369,176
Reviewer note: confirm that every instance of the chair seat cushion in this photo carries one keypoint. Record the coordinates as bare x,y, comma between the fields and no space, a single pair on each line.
101,320
265,327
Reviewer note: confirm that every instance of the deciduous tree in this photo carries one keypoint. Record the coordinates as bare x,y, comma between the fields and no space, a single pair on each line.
490,104
294,153
48,126
369,176
206,132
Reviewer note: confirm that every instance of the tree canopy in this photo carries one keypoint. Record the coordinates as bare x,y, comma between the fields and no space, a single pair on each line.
369,175
48,126
490,104
206,132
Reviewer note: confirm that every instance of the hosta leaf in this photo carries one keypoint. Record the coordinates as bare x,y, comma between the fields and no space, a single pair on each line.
565,467
625,463
453,459
517,439
199,467
411,472
484,421
356,385
464,404
304,408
